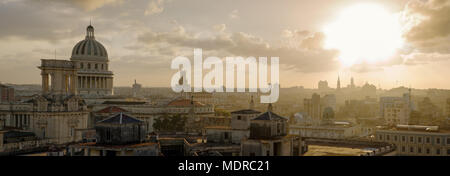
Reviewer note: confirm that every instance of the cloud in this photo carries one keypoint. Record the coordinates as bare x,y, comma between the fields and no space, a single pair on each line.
220,27
294,33
316,41
314,59
425,58
154,7
428,25
88,5
234,14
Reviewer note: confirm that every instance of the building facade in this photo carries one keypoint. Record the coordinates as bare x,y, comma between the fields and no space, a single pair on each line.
412,140
396,110
58,113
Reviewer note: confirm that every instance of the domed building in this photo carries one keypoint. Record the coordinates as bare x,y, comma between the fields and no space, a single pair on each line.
91,60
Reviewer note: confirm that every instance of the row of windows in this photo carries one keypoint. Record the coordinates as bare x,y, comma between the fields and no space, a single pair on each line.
412,139
423,151
95,66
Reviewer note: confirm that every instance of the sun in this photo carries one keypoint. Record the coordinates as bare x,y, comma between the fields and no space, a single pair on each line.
364,33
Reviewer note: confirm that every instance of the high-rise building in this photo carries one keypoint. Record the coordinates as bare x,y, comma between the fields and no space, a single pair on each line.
313,107
136,88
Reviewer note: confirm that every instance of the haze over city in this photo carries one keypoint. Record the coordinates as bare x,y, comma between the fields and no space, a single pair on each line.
385,43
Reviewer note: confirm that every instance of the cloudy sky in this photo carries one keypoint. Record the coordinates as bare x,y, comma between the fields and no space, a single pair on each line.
143,36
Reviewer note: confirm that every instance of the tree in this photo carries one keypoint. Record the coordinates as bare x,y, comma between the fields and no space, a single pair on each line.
170,123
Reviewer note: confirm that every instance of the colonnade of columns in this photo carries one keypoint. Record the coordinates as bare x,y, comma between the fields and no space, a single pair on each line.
93,82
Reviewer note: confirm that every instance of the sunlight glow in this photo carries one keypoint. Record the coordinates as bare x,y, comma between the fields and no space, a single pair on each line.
364,33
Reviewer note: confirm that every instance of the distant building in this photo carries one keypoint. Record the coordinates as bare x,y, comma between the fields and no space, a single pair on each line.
352,83
369,90
136,88
6,94
447,108
315,106
323,85
365,108
328,128
396,110
268,137
414,140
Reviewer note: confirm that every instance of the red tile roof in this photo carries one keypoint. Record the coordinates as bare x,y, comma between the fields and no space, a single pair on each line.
112,109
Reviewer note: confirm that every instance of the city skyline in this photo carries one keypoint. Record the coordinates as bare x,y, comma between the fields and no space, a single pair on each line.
144,36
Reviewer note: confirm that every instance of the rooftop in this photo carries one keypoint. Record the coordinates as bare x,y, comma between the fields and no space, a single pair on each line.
111,109
245,111
269,115
121,118
95,145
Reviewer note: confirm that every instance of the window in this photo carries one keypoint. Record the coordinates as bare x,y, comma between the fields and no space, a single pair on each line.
96,66
411,139
448,151
438,151
419,139
395,138
428,151
380,137
411,150
89,66
403,149
102,67
419,150
438,140
71,131
388,137
403,138
448,141
81,65
239,117
428,140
